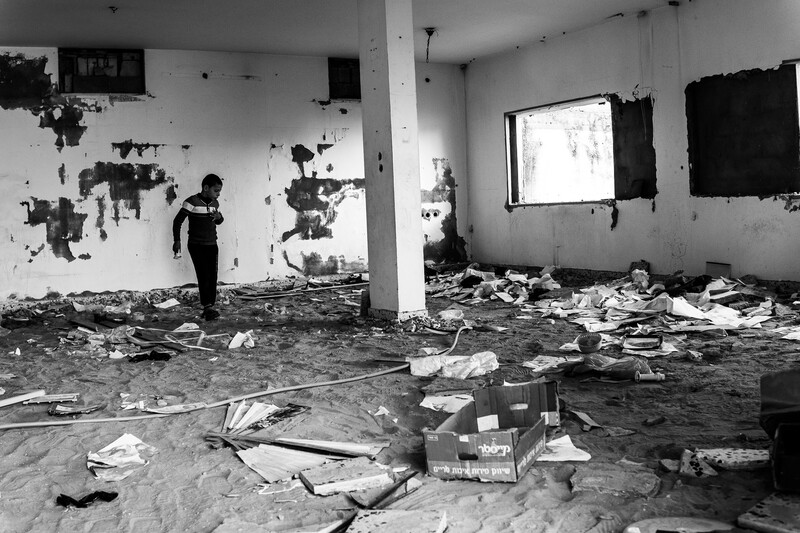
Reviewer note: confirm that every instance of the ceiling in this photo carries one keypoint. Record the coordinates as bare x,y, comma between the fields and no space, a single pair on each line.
465,29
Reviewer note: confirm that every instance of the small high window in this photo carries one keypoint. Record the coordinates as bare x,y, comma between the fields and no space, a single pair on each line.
344,79
107,71
588,150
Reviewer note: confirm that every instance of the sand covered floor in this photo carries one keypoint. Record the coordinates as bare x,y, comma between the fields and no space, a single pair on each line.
189,484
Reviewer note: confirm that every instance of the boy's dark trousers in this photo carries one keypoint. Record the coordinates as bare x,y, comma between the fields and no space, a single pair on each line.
205,257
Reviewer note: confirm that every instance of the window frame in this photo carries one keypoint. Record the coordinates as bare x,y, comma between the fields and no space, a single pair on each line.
512,156
86,52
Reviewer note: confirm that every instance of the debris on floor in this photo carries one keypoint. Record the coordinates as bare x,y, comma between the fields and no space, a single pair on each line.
616,480
119,459
684,524
85,501
398,521
358,473
777,513
483,440
679,354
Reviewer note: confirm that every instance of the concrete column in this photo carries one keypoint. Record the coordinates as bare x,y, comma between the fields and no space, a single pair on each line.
391,159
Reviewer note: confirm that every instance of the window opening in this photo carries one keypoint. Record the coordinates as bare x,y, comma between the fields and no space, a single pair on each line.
744,133
344,79
91,71
586,150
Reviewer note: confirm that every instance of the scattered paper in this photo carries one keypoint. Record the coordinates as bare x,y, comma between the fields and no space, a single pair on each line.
242,339
448,404
119,459
550,363
166,304
116,354
173,409
562,449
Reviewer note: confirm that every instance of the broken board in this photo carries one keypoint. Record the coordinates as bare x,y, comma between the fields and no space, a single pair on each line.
397,521
777,513
345,476
274,463
735,458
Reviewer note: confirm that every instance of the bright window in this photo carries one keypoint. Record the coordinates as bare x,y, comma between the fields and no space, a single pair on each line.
561,153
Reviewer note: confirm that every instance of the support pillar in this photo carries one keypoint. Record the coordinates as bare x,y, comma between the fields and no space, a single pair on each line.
391,159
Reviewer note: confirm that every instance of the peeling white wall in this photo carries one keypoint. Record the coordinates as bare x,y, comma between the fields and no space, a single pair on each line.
659,53
239,122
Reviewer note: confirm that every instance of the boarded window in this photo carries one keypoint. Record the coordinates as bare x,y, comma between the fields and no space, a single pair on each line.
344,79
107,71
587,150
634,155
744,138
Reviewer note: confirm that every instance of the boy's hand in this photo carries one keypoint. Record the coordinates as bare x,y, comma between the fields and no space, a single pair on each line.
176,247
217,215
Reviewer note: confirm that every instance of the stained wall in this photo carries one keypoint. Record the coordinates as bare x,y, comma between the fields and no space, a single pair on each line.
91,183
657,53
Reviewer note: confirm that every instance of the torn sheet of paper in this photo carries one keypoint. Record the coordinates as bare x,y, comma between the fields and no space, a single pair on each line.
382,411
551,363
476,365
562,449
665,349
428,366
119,459
166,304
242,339
448,404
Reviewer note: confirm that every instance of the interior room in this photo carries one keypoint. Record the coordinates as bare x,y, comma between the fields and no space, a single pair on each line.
398,179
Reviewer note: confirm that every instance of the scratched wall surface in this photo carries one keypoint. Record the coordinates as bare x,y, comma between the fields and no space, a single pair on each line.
659,54
91,183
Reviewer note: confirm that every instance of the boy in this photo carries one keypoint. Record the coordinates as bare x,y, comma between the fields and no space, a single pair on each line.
202,210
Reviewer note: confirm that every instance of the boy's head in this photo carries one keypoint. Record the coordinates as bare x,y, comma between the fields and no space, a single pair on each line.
212,186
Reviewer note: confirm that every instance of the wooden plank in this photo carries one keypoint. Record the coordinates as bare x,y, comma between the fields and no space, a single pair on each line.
777,513
274,463
346,448
21,398
344,476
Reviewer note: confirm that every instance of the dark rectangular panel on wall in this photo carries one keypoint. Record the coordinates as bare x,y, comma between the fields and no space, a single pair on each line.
744,137
634,155
101,71
344,79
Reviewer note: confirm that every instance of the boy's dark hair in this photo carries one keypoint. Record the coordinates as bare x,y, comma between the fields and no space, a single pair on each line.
212,180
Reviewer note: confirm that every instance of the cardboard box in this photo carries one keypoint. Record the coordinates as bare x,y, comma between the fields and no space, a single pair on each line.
495,438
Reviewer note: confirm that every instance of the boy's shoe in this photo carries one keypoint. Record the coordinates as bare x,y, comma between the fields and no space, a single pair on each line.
209,313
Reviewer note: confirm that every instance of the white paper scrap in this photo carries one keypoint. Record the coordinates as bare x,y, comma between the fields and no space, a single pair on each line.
448,404
562,449
166,304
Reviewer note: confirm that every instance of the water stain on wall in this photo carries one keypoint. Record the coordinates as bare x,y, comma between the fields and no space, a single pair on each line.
63,224
452,247
64,121
316,199
125,183
313,265
172,195
101,217
126,147
25,85
23,82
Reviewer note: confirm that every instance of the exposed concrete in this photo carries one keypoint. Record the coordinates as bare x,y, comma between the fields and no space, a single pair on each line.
391,156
